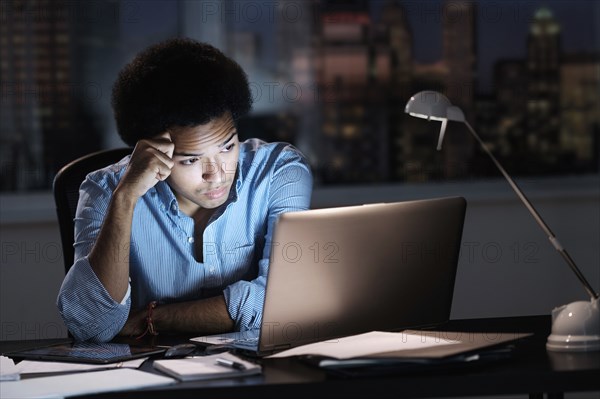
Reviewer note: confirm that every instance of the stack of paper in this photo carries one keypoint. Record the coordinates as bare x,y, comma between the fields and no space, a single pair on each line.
379,348
369,344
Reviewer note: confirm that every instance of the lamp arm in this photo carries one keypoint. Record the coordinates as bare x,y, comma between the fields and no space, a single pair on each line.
537,217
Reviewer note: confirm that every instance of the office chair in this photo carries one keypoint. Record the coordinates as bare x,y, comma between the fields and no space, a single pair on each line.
66,192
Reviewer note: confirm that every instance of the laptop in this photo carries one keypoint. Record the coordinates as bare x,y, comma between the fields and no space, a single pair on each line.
341,271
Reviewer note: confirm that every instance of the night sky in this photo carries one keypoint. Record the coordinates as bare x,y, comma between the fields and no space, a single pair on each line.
502,28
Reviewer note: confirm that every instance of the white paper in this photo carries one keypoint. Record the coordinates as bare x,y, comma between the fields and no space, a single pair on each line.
8,371
363,345
33,366
81,383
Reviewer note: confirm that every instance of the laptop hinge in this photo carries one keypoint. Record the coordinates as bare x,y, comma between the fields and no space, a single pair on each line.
281,347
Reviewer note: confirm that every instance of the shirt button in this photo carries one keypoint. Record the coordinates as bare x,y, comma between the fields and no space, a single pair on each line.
174,207
212,269
190,239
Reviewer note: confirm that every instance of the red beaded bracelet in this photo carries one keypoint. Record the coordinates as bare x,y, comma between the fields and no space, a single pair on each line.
149,322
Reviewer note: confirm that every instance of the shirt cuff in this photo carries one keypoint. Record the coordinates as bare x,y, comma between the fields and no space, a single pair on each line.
241,300
127,294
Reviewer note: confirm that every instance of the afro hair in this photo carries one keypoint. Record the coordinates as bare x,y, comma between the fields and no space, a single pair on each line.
179,82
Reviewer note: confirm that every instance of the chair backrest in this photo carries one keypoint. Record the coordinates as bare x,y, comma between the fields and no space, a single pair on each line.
66,192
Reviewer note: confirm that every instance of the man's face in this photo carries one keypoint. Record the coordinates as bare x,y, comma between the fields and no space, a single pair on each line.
206,158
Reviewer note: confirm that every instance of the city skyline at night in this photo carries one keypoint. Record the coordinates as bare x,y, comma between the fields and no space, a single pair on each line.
301,58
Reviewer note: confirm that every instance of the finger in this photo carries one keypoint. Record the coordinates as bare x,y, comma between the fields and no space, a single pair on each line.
164,158
163,143
167,135
162,171
164,135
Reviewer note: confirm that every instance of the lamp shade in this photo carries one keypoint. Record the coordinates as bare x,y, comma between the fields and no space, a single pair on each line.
433,106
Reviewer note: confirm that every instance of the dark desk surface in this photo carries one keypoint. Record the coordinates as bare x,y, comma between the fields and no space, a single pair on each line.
532,370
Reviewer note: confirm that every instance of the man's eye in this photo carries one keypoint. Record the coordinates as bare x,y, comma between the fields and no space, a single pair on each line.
190,161
228,147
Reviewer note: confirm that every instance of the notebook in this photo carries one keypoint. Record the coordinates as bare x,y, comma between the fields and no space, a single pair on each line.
223,365
341,271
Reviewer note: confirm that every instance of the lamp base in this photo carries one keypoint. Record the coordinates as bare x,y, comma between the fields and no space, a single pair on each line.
575,327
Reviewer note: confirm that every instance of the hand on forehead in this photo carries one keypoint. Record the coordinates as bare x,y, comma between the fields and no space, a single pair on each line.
203,138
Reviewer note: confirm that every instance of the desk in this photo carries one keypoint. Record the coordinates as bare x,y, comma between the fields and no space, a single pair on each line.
532,371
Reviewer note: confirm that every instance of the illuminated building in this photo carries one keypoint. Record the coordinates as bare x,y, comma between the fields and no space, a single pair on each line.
36,89
459,58
543,90
580,109
50,105
354,136
510,84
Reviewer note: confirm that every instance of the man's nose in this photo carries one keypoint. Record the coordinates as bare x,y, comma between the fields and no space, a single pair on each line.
211,171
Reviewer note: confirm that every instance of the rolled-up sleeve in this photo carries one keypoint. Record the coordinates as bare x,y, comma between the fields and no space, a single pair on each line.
290,190
88,310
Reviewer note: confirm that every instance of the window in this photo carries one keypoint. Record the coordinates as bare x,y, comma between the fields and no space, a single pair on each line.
331,110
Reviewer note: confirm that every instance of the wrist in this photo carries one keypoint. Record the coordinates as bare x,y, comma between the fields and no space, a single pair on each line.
149,320
123,199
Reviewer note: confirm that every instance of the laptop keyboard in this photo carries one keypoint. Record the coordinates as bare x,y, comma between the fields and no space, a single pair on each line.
246,339
247,342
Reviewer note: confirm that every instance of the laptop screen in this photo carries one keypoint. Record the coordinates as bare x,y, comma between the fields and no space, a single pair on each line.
341,271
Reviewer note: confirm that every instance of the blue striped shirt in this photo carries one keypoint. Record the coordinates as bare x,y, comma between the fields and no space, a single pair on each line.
272,178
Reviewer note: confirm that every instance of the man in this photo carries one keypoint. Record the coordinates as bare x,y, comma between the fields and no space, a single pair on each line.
176,237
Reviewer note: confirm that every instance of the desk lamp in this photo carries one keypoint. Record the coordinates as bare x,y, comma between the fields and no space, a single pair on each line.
576,326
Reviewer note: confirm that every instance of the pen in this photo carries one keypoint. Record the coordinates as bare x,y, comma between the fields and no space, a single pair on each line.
230,363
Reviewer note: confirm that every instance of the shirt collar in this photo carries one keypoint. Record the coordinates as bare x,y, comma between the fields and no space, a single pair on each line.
244,163
166,197
242,167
